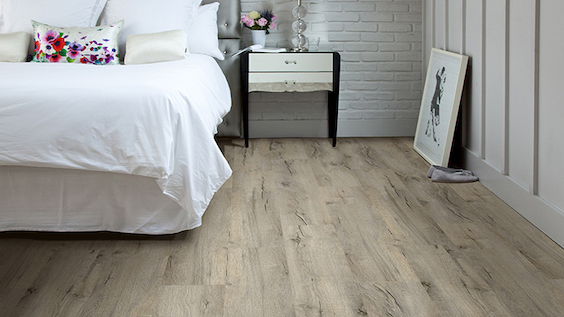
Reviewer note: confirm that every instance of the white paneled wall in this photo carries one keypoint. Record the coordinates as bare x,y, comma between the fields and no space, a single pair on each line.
380,46
522,94
513,109
474,45
551,103
494,83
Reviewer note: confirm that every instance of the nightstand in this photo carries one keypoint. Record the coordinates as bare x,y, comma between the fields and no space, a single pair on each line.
291,72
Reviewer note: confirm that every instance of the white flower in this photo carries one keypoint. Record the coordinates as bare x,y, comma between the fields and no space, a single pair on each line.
254,15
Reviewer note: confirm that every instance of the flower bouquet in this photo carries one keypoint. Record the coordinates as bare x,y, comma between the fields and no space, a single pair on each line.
263,20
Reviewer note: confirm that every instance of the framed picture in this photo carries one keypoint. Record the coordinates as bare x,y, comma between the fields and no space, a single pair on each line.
439,106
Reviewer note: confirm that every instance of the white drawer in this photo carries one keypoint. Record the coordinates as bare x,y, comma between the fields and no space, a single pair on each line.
295,78
289,62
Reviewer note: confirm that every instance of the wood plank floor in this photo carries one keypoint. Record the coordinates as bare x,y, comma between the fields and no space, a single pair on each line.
303,229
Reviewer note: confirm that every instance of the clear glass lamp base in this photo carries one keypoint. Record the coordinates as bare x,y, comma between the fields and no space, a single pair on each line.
298,49
300,43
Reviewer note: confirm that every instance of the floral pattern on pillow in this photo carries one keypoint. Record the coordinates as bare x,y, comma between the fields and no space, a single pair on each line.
96,45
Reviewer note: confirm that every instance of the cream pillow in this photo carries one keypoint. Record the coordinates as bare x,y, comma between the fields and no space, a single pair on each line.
155,47
14,47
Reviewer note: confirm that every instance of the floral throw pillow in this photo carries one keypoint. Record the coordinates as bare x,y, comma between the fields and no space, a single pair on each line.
95,45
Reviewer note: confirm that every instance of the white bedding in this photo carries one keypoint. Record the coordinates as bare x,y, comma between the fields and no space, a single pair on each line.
153,120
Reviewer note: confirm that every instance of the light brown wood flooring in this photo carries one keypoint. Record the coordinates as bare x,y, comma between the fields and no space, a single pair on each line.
303,229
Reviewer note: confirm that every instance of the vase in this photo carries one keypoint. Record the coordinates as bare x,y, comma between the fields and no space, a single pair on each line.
259,37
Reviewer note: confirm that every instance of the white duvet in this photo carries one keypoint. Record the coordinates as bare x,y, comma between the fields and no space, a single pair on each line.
155,120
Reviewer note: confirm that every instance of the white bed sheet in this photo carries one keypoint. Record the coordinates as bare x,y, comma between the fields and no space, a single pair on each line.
153,120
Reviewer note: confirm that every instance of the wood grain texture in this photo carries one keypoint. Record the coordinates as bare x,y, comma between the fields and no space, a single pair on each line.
303,229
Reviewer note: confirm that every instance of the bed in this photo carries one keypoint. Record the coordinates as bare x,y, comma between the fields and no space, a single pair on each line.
123,148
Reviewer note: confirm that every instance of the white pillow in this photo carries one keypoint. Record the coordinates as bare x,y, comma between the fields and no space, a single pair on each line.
149,16
155,47
1,14
202,35
17,14
14,47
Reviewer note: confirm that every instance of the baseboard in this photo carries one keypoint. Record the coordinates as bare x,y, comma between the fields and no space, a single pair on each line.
345,128
545,216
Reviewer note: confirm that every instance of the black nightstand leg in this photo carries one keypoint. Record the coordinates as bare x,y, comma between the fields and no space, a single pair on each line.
334,98
245,95
333,109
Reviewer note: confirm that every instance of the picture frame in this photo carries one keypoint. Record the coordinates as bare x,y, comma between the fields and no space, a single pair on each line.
439,106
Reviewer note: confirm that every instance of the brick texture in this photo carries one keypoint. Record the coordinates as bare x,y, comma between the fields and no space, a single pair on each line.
380,45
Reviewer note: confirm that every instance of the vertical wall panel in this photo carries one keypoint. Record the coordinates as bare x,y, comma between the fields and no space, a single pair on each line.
522,92
455,27
440,24
551,100
474,48
495,90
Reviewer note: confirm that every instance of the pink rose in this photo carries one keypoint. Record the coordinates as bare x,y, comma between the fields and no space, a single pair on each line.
272,25
247,21
262,21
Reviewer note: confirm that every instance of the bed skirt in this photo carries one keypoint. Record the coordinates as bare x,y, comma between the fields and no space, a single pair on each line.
65,200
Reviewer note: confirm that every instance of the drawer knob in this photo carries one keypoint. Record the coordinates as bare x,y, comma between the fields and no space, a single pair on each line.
291,62
290,82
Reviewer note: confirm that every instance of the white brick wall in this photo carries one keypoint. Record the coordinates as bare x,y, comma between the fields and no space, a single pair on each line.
380,46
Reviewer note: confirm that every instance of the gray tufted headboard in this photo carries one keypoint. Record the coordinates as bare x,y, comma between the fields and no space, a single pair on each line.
229,27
